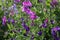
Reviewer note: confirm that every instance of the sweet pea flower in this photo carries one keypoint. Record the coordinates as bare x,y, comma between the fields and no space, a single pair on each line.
24,9
54,3
53,32
28,11
46,21
22,19
32,17
16,1
25,26
27,3
32,13
12,21
40,33
9,20
4,19
44,25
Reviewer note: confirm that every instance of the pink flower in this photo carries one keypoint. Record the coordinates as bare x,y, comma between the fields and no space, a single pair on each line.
32,13
27,3
32,17
46,21
26,9
4,19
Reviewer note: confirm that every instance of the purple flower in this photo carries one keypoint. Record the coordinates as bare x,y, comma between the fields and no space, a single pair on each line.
25,26
54,3
4,19
32,13
53,32
52,21
46,21
33,17
55,28
9,19
14,5
14,8
32,37
29,12
21,18
40,33
27,3
13,21
40,0
44,25
56,38
16,1
25,9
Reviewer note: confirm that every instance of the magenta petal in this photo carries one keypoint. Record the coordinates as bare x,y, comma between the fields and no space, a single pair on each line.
32,17
16,0
4,19
27,3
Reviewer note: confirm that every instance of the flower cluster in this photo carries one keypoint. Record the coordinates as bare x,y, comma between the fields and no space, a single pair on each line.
4,19
26,5
30,19
53,31
25,26
45,23
54,3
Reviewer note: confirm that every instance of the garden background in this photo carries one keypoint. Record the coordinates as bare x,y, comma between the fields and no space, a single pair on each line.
29,19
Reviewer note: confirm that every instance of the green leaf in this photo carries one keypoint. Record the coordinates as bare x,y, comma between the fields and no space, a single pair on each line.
8,26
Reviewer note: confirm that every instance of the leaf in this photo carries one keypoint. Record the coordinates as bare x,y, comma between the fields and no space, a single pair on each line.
9,26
